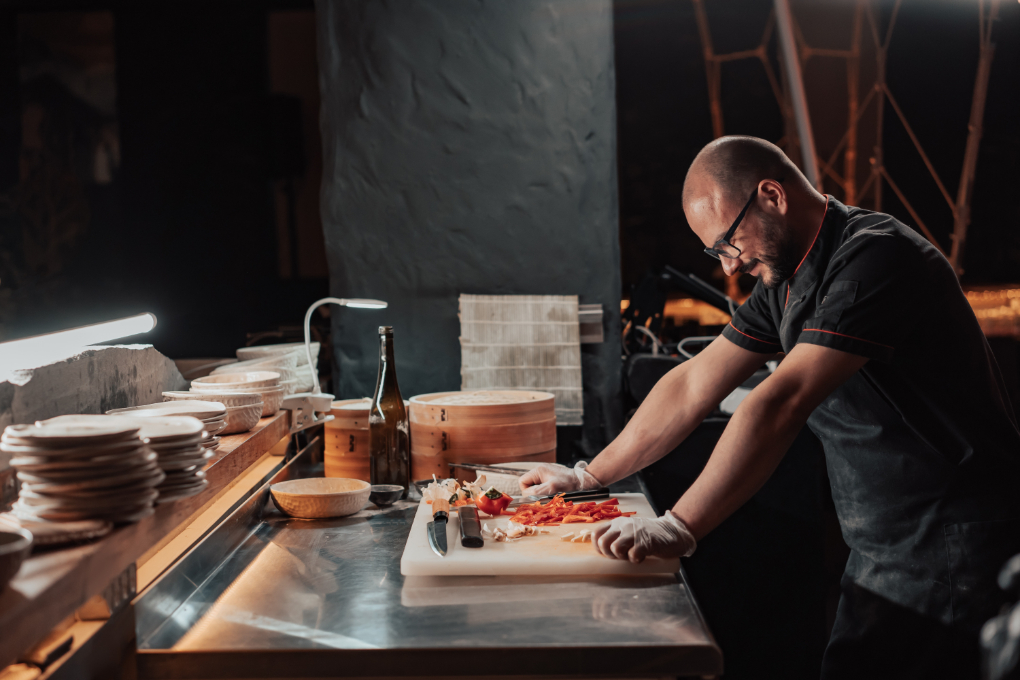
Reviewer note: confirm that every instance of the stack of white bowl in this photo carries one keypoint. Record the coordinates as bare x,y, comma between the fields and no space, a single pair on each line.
302,370
270,398
82,468
285,365
228,388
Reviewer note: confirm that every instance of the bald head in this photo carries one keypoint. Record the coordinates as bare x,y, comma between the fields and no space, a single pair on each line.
731,167
770,237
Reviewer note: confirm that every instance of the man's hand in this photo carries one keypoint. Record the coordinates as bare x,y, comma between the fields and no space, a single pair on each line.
635,538
548,479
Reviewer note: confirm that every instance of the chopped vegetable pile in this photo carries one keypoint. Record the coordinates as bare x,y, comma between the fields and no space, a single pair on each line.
451,490
510,534
491,502
558,511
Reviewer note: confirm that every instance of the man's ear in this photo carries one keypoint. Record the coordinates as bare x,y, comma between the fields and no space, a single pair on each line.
774,196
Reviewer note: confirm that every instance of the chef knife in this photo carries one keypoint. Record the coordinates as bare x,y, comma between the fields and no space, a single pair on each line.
470,527
589,495
490,468
437,527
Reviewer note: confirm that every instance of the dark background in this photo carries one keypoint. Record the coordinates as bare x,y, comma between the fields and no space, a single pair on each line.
191,229
217,120
664,120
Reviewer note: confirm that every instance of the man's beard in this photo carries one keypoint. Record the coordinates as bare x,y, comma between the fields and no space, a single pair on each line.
780,254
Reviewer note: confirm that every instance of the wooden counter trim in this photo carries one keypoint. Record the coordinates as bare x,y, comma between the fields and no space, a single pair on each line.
51,585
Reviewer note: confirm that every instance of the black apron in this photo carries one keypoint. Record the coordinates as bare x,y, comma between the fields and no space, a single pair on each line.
921,445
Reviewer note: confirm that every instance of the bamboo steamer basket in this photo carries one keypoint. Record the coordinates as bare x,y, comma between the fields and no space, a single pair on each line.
481,427
346,446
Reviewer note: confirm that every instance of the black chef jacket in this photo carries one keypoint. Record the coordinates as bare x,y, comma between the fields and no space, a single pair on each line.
921,444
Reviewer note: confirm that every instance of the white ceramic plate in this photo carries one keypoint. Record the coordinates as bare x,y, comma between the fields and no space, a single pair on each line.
158,429
150,473
193,409
235,397
82,468
70,431
221,383
126,447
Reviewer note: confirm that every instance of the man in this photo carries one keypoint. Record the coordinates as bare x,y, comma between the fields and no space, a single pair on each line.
885,362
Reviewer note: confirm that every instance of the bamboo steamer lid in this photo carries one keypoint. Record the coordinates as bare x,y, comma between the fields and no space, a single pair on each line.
347,445
482,427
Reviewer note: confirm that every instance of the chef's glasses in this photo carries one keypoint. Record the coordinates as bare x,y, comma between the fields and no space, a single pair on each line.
723,247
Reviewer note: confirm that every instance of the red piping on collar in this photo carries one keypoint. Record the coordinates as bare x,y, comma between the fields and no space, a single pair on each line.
815,239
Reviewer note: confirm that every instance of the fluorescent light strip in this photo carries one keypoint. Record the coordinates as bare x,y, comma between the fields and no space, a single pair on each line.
37,351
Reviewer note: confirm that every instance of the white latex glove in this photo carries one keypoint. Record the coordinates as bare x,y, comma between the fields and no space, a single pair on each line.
635,538
548,479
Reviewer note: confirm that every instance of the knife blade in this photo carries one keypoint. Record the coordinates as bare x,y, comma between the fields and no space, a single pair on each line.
490,468
437,527
590,495
437,541
470,527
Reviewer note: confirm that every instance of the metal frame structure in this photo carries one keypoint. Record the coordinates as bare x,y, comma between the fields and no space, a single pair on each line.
879,93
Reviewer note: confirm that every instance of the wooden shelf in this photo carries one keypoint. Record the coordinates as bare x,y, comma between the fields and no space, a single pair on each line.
52,584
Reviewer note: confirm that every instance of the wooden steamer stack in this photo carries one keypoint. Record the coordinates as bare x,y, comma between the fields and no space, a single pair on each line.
480,427
346,445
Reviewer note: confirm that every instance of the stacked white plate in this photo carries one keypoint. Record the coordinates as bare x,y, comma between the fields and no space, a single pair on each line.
302,372
242,418
271,397
283,364
82,467
266,351
213,414
178,444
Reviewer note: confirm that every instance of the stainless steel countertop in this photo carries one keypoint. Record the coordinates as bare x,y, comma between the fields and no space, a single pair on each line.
295,597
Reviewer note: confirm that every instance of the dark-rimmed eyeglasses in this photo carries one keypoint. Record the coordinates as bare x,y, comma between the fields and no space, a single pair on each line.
723,247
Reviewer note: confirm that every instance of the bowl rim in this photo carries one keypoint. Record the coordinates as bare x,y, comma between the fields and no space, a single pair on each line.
240,389
16,546
274,488
249,377
193,396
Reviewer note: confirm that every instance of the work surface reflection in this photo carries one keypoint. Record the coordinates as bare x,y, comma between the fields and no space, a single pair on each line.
336,584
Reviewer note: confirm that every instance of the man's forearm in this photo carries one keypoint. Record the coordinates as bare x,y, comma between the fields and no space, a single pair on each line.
752,445
668,414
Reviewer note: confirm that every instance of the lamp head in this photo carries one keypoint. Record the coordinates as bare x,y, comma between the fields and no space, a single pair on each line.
364,303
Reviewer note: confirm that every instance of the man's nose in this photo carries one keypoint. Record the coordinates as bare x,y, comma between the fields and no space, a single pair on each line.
730,265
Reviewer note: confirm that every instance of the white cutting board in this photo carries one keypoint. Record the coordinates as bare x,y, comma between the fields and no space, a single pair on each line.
544,554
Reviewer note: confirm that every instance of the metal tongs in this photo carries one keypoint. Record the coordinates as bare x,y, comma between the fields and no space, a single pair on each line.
589,495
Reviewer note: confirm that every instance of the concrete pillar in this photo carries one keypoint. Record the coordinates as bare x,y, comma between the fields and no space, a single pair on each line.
470,147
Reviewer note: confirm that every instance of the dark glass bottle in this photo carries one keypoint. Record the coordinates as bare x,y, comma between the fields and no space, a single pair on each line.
388,428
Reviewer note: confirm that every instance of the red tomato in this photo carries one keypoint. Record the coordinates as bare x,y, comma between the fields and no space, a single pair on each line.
492,502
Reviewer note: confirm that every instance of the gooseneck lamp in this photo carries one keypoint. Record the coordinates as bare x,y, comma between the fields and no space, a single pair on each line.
356,303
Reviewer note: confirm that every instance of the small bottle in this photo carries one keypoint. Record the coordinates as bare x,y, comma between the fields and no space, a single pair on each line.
388,427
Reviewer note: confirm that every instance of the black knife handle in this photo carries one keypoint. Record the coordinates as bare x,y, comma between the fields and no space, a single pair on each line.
587,494
470,528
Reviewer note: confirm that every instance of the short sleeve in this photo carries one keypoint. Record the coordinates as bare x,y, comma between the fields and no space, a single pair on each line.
752,326
868,298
